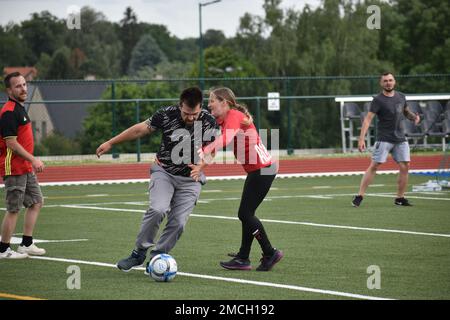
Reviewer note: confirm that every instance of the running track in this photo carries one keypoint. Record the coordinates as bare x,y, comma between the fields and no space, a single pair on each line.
141,170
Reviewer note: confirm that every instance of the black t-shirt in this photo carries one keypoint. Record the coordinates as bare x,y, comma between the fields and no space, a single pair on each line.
390,115
179,143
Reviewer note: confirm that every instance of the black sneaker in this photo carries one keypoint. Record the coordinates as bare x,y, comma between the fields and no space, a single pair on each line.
236,264
134,260
267,262
357,200
402,202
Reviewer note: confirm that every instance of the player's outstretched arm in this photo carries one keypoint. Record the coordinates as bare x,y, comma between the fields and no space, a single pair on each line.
132,133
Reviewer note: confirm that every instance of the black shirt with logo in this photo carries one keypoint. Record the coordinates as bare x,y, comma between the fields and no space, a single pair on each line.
180,142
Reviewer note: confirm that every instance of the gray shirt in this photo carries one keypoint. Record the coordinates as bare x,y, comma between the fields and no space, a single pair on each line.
390,115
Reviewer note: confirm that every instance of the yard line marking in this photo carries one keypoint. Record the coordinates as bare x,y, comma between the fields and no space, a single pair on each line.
235,177
320,197
18,240
236,280
100,208
432,193
412,197
17,297
322,187
278,221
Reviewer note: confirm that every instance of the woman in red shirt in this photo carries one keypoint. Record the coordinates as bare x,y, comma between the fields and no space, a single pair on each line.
237,126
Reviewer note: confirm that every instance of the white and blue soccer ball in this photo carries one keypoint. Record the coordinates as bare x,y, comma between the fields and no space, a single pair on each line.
162,267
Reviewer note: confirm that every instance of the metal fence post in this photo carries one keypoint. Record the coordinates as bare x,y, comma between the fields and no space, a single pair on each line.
289,124
114,118
138,141
258,113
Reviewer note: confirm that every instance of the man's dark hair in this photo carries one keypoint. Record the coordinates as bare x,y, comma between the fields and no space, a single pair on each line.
386,73
7,80
191,97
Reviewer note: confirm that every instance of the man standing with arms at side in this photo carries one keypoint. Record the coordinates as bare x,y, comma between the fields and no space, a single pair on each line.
391,108
17,167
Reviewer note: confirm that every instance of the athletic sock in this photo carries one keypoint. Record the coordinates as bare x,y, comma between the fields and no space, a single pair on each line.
3,247
27,241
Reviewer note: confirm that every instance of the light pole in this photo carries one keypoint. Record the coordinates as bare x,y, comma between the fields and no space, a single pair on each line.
201,67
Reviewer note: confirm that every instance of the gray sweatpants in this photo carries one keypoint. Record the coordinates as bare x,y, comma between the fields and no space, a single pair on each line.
172,196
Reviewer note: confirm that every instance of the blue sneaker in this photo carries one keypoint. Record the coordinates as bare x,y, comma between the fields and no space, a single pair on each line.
136,259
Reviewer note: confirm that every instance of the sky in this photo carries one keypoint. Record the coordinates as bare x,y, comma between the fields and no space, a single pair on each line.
180,16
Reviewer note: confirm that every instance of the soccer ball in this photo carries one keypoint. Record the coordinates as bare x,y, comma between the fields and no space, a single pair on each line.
162,267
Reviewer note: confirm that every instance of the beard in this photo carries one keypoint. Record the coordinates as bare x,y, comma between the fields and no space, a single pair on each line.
19,97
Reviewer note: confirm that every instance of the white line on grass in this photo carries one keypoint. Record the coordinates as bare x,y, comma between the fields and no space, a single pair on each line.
219,178
235,280
275,221
412,197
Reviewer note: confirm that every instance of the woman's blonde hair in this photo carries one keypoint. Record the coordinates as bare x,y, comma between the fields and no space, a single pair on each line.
225,94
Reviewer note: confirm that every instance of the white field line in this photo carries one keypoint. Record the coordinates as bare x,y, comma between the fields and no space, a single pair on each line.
412,197
237,177
312,196
274,221
235,280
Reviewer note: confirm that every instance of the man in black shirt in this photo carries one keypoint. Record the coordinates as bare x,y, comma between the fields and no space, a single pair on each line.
391,108
173,192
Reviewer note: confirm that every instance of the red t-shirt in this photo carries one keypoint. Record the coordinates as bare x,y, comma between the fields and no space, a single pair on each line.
14,122
248,147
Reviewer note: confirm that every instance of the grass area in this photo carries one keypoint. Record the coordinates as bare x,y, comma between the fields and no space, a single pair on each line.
311,220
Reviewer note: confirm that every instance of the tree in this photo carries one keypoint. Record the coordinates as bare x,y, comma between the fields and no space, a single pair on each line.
97,127
96,48
43,33
60,67
129,34
146,54
13,50
214,38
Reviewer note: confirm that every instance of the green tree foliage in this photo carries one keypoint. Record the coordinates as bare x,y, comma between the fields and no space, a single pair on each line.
13,50
95,48
146,54
129,35
60,67
43,33
329,40
98,125
56,144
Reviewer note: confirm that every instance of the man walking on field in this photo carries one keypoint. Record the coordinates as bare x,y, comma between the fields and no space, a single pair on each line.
390,106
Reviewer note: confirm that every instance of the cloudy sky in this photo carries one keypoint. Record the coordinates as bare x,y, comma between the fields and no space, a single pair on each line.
180,16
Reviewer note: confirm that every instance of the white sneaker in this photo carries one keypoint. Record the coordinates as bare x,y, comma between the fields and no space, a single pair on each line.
32,250
11,254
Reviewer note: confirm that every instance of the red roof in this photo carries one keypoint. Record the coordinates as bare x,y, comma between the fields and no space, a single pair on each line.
28,72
